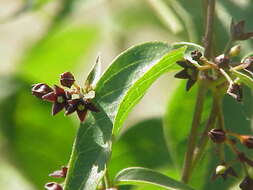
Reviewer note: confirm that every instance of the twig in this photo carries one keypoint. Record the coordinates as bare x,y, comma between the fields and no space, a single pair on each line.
194,133
208,38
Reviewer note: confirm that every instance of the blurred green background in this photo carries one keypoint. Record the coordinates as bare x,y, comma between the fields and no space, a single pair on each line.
40,39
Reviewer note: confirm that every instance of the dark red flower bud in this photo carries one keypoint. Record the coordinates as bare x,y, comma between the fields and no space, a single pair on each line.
235,90
248,63
196,55
237,31
217,135
59,173
246,184
247,141
222,61
40,90
67,79
59,97
53,186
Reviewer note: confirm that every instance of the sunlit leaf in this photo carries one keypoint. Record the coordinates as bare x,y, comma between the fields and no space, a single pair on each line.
137,175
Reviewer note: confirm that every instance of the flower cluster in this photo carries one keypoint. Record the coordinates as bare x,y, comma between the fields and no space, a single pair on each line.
73,98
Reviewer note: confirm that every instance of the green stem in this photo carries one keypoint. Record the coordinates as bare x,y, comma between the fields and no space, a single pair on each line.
204,138
208,38
106,180
228,47
194,132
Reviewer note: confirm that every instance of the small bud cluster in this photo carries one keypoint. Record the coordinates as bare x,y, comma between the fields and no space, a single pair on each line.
224,170
57,174
73,99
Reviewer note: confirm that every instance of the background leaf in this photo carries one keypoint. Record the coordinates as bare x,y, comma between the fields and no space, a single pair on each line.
144,175
55,54
144,62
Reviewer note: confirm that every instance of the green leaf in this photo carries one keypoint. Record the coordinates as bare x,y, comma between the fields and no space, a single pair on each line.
137,175
243,78
94,74
131,150
59,51
119,89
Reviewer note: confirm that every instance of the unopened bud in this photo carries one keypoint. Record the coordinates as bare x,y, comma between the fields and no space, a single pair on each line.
221,169
217,135
247,141
196,55
41,89
248,63
222,61
67,79
53,186
234,51
235,90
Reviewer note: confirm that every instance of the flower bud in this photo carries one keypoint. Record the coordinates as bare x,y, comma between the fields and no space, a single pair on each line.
196,55
220,169
59,173
248,63
246,184
217,135
247,141
67,79
234,51
53,186
222,61
235,90
41,89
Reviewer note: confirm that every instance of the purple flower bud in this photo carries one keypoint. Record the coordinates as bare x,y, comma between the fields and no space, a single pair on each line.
59,173
217,135
41,89
67,79
53,186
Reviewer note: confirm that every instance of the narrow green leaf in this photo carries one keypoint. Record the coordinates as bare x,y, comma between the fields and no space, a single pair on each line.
94,74
137,175
120,88
243,78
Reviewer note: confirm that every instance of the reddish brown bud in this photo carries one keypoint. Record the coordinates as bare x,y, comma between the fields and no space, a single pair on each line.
67,79
246,184
196,55
59,173
53,186
217,135
247,141
40,90
235,90
222,61
237,31
248,63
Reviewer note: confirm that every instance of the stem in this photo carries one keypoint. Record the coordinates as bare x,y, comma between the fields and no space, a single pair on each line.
208,38
228,47
193,133
210,124
107,180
